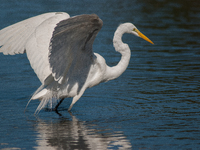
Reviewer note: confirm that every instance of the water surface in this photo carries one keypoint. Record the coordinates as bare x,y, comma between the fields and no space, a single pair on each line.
155,104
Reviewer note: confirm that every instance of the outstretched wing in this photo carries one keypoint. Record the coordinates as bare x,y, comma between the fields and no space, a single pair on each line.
37,46
33,37
70,54
13,38
55,44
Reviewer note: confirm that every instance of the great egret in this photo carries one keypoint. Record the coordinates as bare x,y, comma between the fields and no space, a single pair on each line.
59,48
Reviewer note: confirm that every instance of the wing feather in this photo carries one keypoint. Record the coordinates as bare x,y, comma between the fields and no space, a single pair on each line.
19,33
33,37
71,52
37,47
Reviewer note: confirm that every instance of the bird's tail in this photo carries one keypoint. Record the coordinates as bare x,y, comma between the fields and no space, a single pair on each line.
45,96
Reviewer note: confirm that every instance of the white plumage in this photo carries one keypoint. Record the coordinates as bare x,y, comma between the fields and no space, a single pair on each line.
59,49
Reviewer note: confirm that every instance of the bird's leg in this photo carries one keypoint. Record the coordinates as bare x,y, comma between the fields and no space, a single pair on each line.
75,99
55,109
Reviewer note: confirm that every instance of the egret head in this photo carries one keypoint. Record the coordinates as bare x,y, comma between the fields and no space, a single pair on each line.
130,28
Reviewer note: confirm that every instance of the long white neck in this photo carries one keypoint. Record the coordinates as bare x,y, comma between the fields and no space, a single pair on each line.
116,71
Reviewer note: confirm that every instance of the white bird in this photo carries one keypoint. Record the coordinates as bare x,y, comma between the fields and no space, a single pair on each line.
59,48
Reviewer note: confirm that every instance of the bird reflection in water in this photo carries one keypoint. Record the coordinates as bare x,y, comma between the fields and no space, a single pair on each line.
74,134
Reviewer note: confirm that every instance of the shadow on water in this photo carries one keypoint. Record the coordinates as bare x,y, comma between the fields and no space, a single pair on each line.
70,133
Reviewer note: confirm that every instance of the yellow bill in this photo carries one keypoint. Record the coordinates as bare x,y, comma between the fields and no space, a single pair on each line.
143,36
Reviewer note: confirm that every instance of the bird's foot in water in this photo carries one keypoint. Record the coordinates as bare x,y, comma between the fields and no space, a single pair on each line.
56,110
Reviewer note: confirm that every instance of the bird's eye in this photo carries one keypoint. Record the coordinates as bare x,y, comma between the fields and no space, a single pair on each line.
134,29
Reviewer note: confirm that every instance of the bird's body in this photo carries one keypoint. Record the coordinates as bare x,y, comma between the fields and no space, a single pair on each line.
59,48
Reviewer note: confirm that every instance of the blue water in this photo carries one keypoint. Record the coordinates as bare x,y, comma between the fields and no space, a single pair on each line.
155,104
